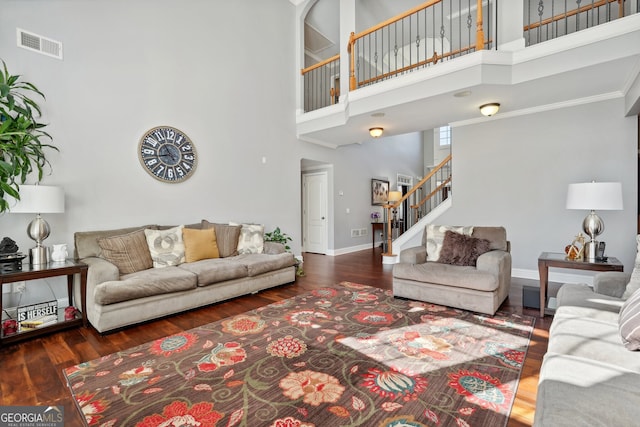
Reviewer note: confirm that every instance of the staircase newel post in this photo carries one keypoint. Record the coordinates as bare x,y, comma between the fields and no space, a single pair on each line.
389,230
352,61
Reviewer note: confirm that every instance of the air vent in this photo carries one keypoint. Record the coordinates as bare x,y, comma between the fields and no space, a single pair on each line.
40,44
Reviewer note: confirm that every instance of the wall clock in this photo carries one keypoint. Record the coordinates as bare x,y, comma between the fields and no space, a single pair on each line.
167,154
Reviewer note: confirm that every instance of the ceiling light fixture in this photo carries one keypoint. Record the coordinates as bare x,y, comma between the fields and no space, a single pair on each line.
489,109
376,132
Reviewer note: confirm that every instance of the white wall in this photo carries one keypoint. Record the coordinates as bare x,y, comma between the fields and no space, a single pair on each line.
222,72
353,168
515,172
128,66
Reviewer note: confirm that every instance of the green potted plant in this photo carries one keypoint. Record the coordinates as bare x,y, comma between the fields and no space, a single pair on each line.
279,237
22,149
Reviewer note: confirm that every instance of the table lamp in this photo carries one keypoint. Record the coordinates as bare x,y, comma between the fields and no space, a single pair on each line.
594,196
39,199
394,197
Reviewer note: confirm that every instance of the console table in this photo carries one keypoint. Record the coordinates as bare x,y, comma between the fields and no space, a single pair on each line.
32,272
559,260
376,226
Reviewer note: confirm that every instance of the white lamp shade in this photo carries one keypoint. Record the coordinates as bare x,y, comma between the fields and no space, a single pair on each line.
39,199
595,196
394,196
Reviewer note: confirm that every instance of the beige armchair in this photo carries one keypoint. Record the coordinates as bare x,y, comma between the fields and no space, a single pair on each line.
482,287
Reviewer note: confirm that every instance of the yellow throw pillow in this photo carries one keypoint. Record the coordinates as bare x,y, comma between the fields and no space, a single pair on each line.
200,244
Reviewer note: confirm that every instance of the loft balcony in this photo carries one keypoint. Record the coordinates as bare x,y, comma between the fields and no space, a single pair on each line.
438,62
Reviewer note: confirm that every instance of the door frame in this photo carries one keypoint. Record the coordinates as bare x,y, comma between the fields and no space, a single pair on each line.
325,174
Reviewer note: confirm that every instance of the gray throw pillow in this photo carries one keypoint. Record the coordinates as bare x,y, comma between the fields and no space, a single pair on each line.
129,252
629,322
227,237
459,249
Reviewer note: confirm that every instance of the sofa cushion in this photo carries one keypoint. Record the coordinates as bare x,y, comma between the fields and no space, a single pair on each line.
458,249
435,238
261,263
251,239
574,391
216,270
227,237
634,282
145,283
445,274
593,339
497,237
166,246
86,242
629,322
580,300
129,252
200,244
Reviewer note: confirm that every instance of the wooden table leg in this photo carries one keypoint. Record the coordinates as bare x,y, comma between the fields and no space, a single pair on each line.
543,271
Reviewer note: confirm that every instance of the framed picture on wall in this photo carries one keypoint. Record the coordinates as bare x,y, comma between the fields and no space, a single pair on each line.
379,192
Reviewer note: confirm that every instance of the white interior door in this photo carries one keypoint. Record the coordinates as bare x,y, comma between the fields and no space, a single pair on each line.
314,212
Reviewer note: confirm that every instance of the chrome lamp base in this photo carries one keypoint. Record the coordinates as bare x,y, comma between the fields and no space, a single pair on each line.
38,230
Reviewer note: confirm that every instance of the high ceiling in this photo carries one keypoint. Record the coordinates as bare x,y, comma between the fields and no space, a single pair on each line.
597,63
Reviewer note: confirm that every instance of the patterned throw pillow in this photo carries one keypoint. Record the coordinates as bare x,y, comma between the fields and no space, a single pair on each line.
200,244
634,282
435,238
629,322
166,246
129,252
251,239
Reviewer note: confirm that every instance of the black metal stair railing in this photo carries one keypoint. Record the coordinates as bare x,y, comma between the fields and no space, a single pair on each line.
550,19
434,31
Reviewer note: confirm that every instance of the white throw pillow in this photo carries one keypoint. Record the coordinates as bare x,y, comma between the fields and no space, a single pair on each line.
629,322
634,282
166,246
251,239
435,238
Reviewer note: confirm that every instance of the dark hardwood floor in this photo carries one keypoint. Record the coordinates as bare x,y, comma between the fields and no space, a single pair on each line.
31,372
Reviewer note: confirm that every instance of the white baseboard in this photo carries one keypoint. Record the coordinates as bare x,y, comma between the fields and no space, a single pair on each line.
553,276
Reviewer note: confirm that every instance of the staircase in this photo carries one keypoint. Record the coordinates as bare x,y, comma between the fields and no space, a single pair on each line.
437,190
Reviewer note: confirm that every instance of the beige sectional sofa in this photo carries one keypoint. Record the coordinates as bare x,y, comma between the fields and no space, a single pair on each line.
119,296
423,275
588,377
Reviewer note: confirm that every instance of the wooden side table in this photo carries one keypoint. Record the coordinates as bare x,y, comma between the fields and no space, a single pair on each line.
376,226
559,260
32,272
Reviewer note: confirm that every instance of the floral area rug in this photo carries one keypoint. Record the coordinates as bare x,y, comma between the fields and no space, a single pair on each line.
350,355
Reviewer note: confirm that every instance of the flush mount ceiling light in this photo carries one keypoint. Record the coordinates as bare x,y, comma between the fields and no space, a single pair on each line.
489,109
376,132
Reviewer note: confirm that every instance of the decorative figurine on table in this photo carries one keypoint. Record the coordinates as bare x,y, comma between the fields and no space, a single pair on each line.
8,246
575,251
10,258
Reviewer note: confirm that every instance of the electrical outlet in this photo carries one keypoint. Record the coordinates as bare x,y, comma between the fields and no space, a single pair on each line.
19,287
363,231
355,232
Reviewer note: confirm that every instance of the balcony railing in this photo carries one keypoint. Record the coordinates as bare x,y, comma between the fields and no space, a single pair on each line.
441,30
322,84
434,31
551,19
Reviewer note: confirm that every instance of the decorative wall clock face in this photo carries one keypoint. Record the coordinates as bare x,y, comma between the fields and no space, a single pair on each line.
167,154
